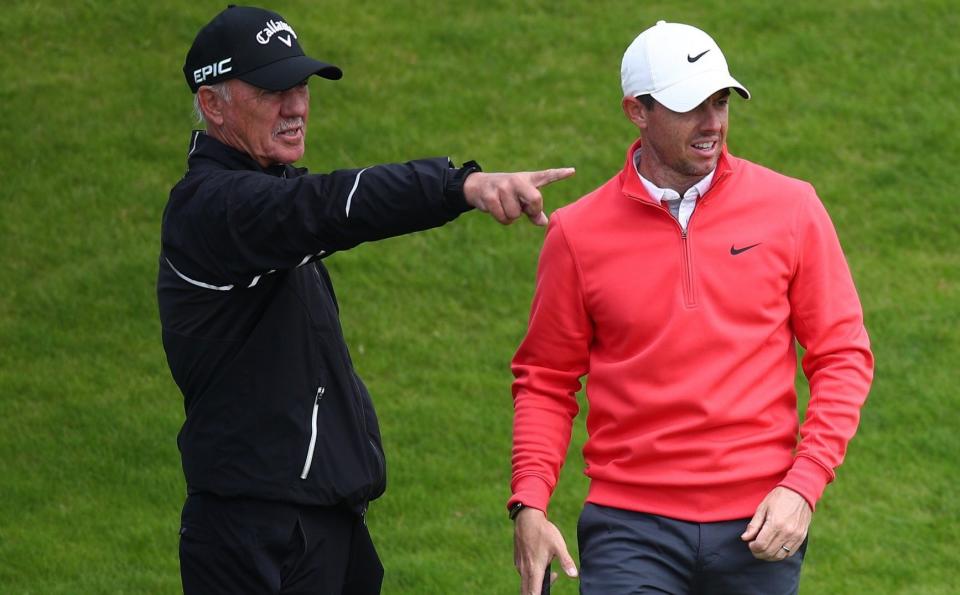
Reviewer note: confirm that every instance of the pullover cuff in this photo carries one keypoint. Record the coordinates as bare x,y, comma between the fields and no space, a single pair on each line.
807,478
532,491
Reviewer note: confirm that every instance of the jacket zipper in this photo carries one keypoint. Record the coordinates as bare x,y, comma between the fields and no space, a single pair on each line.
686,256
689,290
313,434
381,464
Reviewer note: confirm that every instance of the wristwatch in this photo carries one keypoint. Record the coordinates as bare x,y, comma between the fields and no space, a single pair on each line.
515,510
454,186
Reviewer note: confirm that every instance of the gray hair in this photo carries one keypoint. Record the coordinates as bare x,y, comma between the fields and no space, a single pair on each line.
220,89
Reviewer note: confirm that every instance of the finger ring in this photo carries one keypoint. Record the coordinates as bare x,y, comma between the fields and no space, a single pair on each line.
785,548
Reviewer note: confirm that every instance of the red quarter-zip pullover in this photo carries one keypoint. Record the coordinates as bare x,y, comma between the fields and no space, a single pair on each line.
688,344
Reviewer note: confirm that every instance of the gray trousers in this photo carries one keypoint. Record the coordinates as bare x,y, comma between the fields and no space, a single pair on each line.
624,552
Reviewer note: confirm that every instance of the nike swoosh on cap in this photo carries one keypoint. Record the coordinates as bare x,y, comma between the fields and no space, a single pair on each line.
692,59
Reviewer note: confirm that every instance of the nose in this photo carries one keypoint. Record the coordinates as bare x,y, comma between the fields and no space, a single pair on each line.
713,117
296,102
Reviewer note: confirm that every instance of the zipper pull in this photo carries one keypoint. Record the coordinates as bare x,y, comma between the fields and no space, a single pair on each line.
320,390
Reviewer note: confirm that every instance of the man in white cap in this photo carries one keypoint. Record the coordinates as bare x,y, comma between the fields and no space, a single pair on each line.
680,288
280,447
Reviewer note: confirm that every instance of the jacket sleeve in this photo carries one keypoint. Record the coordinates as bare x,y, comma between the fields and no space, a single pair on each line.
828,322
231,225
547,367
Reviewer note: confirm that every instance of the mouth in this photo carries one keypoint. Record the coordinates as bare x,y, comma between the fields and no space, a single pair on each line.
290,130
706,148
293,134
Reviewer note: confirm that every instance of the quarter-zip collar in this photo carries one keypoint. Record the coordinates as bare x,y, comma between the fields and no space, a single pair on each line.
207,152
660,194
632,186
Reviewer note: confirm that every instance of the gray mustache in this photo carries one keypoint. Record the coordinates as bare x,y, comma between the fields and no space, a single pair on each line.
288,125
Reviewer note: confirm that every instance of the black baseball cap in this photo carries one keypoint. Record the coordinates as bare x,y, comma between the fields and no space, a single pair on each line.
254,45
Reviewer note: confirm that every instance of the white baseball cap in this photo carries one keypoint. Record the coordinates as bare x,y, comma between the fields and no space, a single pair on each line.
678,65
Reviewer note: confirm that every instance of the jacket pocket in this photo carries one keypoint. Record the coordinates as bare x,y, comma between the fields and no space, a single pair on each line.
313,433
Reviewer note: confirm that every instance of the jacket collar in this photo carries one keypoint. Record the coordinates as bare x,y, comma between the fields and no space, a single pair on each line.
632,185
207,152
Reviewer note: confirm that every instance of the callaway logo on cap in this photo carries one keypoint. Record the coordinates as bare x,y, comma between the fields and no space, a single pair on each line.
254,45
678,65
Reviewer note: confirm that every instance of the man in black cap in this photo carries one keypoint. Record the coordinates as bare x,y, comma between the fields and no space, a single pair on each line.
280,447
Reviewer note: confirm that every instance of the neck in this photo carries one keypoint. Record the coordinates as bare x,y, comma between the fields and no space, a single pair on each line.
665,177
231,140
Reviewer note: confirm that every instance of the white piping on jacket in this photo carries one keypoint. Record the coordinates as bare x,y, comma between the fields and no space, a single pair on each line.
253,282
197,283
356,182
193,145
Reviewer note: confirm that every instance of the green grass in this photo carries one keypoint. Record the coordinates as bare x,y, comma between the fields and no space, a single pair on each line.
858,97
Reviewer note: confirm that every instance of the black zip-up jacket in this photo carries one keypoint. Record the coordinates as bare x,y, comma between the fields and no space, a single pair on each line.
274,409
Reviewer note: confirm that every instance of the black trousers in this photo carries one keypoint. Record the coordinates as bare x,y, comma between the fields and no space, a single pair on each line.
238,546
623,552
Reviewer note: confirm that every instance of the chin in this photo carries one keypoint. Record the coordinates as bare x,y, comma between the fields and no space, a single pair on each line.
698,171
288,157
702,168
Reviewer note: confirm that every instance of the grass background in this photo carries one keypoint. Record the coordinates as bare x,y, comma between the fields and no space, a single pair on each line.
859,97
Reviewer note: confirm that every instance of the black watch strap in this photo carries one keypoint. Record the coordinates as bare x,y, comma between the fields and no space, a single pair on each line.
515,510
454,186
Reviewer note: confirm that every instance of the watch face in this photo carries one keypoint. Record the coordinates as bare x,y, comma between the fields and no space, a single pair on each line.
515,510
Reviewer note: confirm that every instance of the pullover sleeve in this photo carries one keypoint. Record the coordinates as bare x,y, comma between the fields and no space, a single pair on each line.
226,226
547,368
827,320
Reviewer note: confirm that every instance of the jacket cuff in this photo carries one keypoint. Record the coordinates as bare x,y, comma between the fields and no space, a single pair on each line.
453,185
532,491
807,478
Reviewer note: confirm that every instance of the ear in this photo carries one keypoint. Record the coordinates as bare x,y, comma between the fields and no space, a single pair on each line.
212,104
635,111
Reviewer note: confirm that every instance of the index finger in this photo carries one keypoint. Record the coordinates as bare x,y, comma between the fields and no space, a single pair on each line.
548,176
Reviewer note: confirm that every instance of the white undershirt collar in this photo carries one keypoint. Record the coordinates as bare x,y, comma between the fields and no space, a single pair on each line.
689,197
